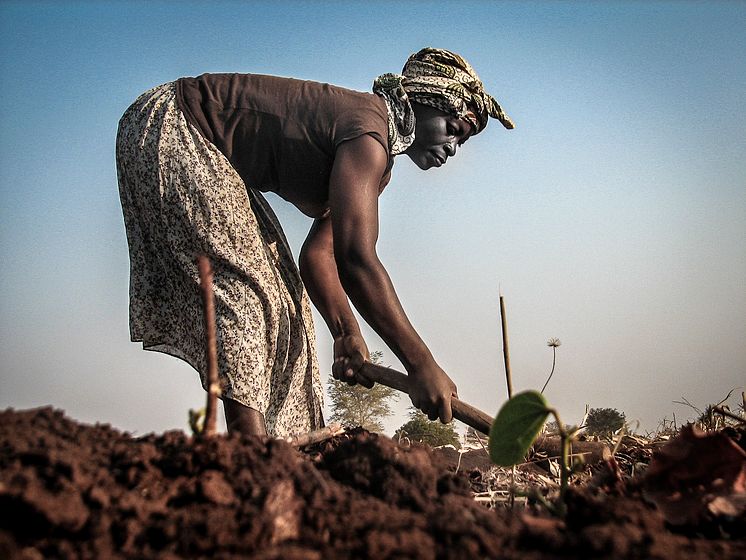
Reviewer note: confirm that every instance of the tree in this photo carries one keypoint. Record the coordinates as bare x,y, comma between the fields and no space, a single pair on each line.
604,421
434,433
552,427
354,405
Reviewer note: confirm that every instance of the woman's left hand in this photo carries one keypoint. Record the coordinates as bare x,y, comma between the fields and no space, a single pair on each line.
350,353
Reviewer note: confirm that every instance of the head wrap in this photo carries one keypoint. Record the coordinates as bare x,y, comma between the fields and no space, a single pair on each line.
440,79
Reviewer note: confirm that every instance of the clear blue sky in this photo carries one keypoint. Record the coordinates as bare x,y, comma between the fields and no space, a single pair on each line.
613,217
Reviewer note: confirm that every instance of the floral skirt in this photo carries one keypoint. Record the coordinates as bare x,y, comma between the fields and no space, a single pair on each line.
180,198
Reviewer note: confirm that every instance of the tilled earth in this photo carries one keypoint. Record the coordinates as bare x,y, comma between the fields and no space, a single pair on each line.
69,490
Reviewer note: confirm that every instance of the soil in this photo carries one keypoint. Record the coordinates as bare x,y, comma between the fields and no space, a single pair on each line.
69,490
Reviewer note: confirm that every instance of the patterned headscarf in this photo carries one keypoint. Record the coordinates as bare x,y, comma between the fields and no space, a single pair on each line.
440,79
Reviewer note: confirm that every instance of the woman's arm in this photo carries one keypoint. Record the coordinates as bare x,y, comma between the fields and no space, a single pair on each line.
319,272
353,200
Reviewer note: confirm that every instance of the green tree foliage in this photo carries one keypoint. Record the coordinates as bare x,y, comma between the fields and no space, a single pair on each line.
552,427
604,421
434,433
354,405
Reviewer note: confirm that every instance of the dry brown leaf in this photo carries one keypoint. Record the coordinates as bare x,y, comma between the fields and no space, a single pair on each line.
694,469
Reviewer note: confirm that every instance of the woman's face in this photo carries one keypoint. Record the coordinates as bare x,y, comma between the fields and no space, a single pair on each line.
437,136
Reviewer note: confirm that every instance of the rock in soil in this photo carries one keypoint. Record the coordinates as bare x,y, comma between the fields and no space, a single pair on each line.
69,490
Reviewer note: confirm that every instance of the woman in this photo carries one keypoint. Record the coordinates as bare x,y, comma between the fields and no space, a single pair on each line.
192,158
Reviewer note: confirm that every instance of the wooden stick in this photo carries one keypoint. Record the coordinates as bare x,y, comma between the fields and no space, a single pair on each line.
727,413
506,351
479,420
461,411
593,451
213,389
509,381
315,436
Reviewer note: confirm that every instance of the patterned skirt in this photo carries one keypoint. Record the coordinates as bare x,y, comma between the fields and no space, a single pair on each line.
180,198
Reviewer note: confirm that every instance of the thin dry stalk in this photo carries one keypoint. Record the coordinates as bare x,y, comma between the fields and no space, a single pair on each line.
622,432
728,414
461,453
316,436
506,350
213,388
508,379
722,402
686,402
582,425
458,465
481,443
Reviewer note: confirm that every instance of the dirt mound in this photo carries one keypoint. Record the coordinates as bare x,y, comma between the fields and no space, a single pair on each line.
69,490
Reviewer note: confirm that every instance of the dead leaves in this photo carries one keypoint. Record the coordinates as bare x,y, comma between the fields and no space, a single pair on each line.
696,475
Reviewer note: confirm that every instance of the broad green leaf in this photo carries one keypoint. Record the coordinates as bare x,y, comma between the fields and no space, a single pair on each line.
517,424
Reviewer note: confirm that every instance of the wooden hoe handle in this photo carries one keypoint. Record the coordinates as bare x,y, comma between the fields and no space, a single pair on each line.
593,451
461,411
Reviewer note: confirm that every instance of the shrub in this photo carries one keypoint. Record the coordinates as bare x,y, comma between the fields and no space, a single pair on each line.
604,421
434,433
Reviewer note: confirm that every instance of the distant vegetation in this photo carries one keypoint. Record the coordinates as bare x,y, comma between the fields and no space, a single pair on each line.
423,430
354,405
604,421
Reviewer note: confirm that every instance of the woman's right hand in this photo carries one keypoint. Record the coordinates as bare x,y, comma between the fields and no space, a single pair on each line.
350,353
431,391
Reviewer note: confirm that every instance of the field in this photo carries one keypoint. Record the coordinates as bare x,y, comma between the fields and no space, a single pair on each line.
69,490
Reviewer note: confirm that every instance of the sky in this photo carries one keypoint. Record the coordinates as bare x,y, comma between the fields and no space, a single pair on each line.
613,217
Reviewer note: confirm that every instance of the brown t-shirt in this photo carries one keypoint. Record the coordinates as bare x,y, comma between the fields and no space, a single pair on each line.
281,134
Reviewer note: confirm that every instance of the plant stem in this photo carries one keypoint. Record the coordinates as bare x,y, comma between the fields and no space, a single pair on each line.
509,381
551,373
506,351
564,461
213,389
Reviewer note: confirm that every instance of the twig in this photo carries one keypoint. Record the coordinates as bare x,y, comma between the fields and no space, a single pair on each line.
685,402
622,433
506,350
315,436
581,454
726,398
481,443
213,389
458,465
582,426
509,380
729,414
461,452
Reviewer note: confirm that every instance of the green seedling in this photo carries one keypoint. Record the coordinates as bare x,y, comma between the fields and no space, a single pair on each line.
517,424
197,421
515,429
